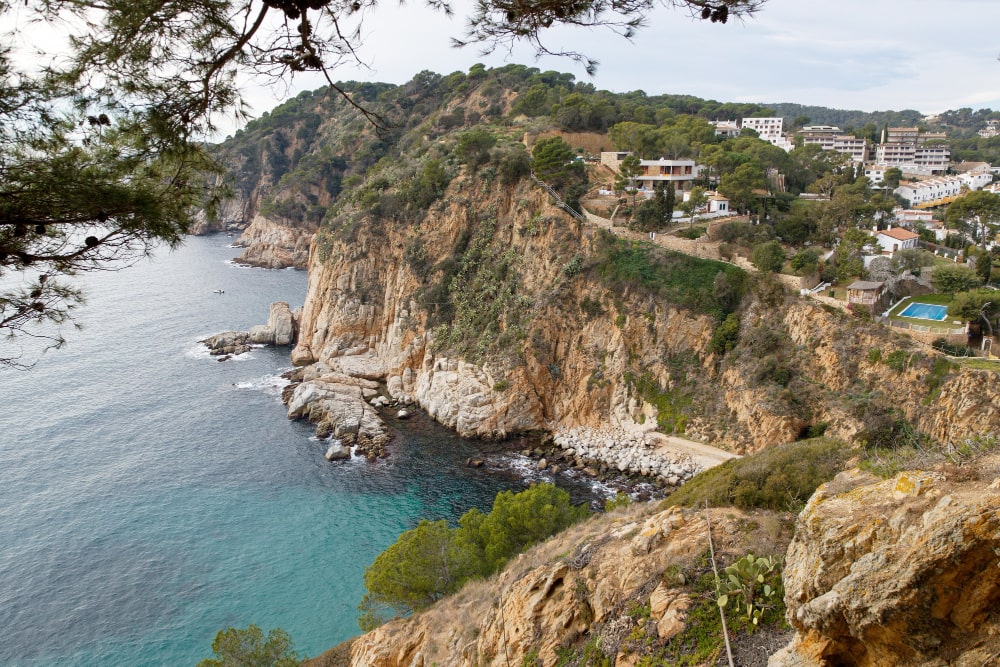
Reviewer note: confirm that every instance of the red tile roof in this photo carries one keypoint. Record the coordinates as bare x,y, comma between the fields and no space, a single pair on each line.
900,234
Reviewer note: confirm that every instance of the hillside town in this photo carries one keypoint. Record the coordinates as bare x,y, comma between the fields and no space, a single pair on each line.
913,225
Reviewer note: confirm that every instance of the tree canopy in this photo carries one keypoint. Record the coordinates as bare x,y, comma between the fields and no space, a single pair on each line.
433,560
236,647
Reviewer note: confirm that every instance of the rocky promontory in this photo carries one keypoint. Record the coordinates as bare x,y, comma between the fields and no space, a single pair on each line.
281,329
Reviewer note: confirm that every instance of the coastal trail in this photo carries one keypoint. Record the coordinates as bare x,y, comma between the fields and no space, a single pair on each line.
704,455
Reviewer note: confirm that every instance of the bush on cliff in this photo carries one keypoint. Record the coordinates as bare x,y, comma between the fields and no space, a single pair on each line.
779,478
433,560
236,646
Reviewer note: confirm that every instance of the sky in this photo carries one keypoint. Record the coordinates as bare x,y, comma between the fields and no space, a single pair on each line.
871,55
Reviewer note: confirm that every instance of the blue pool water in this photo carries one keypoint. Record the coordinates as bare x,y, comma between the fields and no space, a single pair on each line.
925,311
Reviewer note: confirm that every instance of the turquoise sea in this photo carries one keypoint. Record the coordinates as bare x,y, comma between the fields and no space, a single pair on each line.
150,495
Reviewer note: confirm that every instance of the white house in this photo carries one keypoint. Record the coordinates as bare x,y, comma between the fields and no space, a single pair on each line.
726,128
909,217
717,203
896,238
977,175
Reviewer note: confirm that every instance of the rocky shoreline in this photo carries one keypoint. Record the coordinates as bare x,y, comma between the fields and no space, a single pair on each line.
343,400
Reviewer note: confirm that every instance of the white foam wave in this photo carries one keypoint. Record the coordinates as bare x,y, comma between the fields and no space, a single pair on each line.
198,351
269,384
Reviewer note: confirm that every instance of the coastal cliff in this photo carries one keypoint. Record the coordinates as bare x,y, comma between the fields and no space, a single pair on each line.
439,268
442,275
559,340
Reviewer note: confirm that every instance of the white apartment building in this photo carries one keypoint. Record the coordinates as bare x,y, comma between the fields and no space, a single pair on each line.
914,159
991,130
820,129
931,192
907,148
767,128
857,149
875,174
977,175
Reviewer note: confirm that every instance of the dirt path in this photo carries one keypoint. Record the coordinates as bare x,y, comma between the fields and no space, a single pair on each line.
704,455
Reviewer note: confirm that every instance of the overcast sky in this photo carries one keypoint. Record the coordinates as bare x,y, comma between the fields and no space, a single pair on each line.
929,55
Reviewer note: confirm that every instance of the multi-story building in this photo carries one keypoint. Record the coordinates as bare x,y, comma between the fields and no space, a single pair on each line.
857,149
931,192
912,151
914,159
991,130
678,172
767,128
875,174
977,175
726,128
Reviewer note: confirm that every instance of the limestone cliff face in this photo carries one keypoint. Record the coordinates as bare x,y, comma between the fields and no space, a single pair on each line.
584,350
566,367
272,245
898,572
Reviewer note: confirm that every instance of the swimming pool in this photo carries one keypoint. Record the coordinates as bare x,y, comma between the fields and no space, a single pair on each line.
925,311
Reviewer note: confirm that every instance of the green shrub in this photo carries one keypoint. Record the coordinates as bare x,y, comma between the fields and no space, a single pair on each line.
778,478
768,257
677,279
620,500
691,234
897,360
726,335
573,267
433,560
236,646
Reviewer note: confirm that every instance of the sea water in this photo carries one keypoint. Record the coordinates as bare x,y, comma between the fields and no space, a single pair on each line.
151,495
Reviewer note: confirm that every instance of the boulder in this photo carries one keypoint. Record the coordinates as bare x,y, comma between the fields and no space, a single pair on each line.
896,572
262,334
337,452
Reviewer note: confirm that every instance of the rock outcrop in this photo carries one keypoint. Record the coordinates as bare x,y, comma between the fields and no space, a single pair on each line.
590,583
898,572
272,245
281,329
340,405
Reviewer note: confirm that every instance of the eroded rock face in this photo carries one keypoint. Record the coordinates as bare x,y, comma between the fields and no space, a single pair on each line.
339,404
272,245
898,572
580,584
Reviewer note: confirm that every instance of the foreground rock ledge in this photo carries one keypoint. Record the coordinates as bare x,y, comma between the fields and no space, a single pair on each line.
898,572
